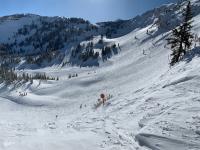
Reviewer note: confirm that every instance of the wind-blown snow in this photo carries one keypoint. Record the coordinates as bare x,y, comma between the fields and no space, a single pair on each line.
153,106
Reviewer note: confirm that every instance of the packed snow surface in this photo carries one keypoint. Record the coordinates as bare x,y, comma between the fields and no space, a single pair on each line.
153,106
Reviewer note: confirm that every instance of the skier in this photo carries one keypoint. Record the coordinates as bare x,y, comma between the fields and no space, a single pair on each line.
136,38
103,97
147,32
144,52
119,47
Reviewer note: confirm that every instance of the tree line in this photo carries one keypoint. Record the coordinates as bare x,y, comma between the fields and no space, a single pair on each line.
9,75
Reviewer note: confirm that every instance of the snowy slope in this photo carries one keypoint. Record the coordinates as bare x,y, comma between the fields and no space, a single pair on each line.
9,25
153,106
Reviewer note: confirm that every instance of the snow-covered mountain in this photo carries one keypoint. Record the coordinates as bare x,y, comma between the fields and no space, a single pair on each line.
47,41
150,106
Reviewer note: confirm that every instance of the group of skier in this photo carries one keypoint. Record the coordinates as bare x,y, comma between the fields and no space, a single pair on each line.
22,93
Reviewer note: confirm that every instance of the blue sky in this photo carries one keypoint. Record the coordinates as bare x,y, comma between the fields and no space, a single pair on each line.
92,10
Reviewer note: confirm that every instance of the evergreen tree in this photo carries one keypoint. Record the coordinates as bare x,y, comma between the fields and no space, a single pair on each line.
187,27
181,39
176,42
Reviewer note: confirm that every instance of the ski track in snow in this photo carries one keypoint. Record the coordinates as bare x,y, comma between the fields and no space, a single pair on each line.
152,106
